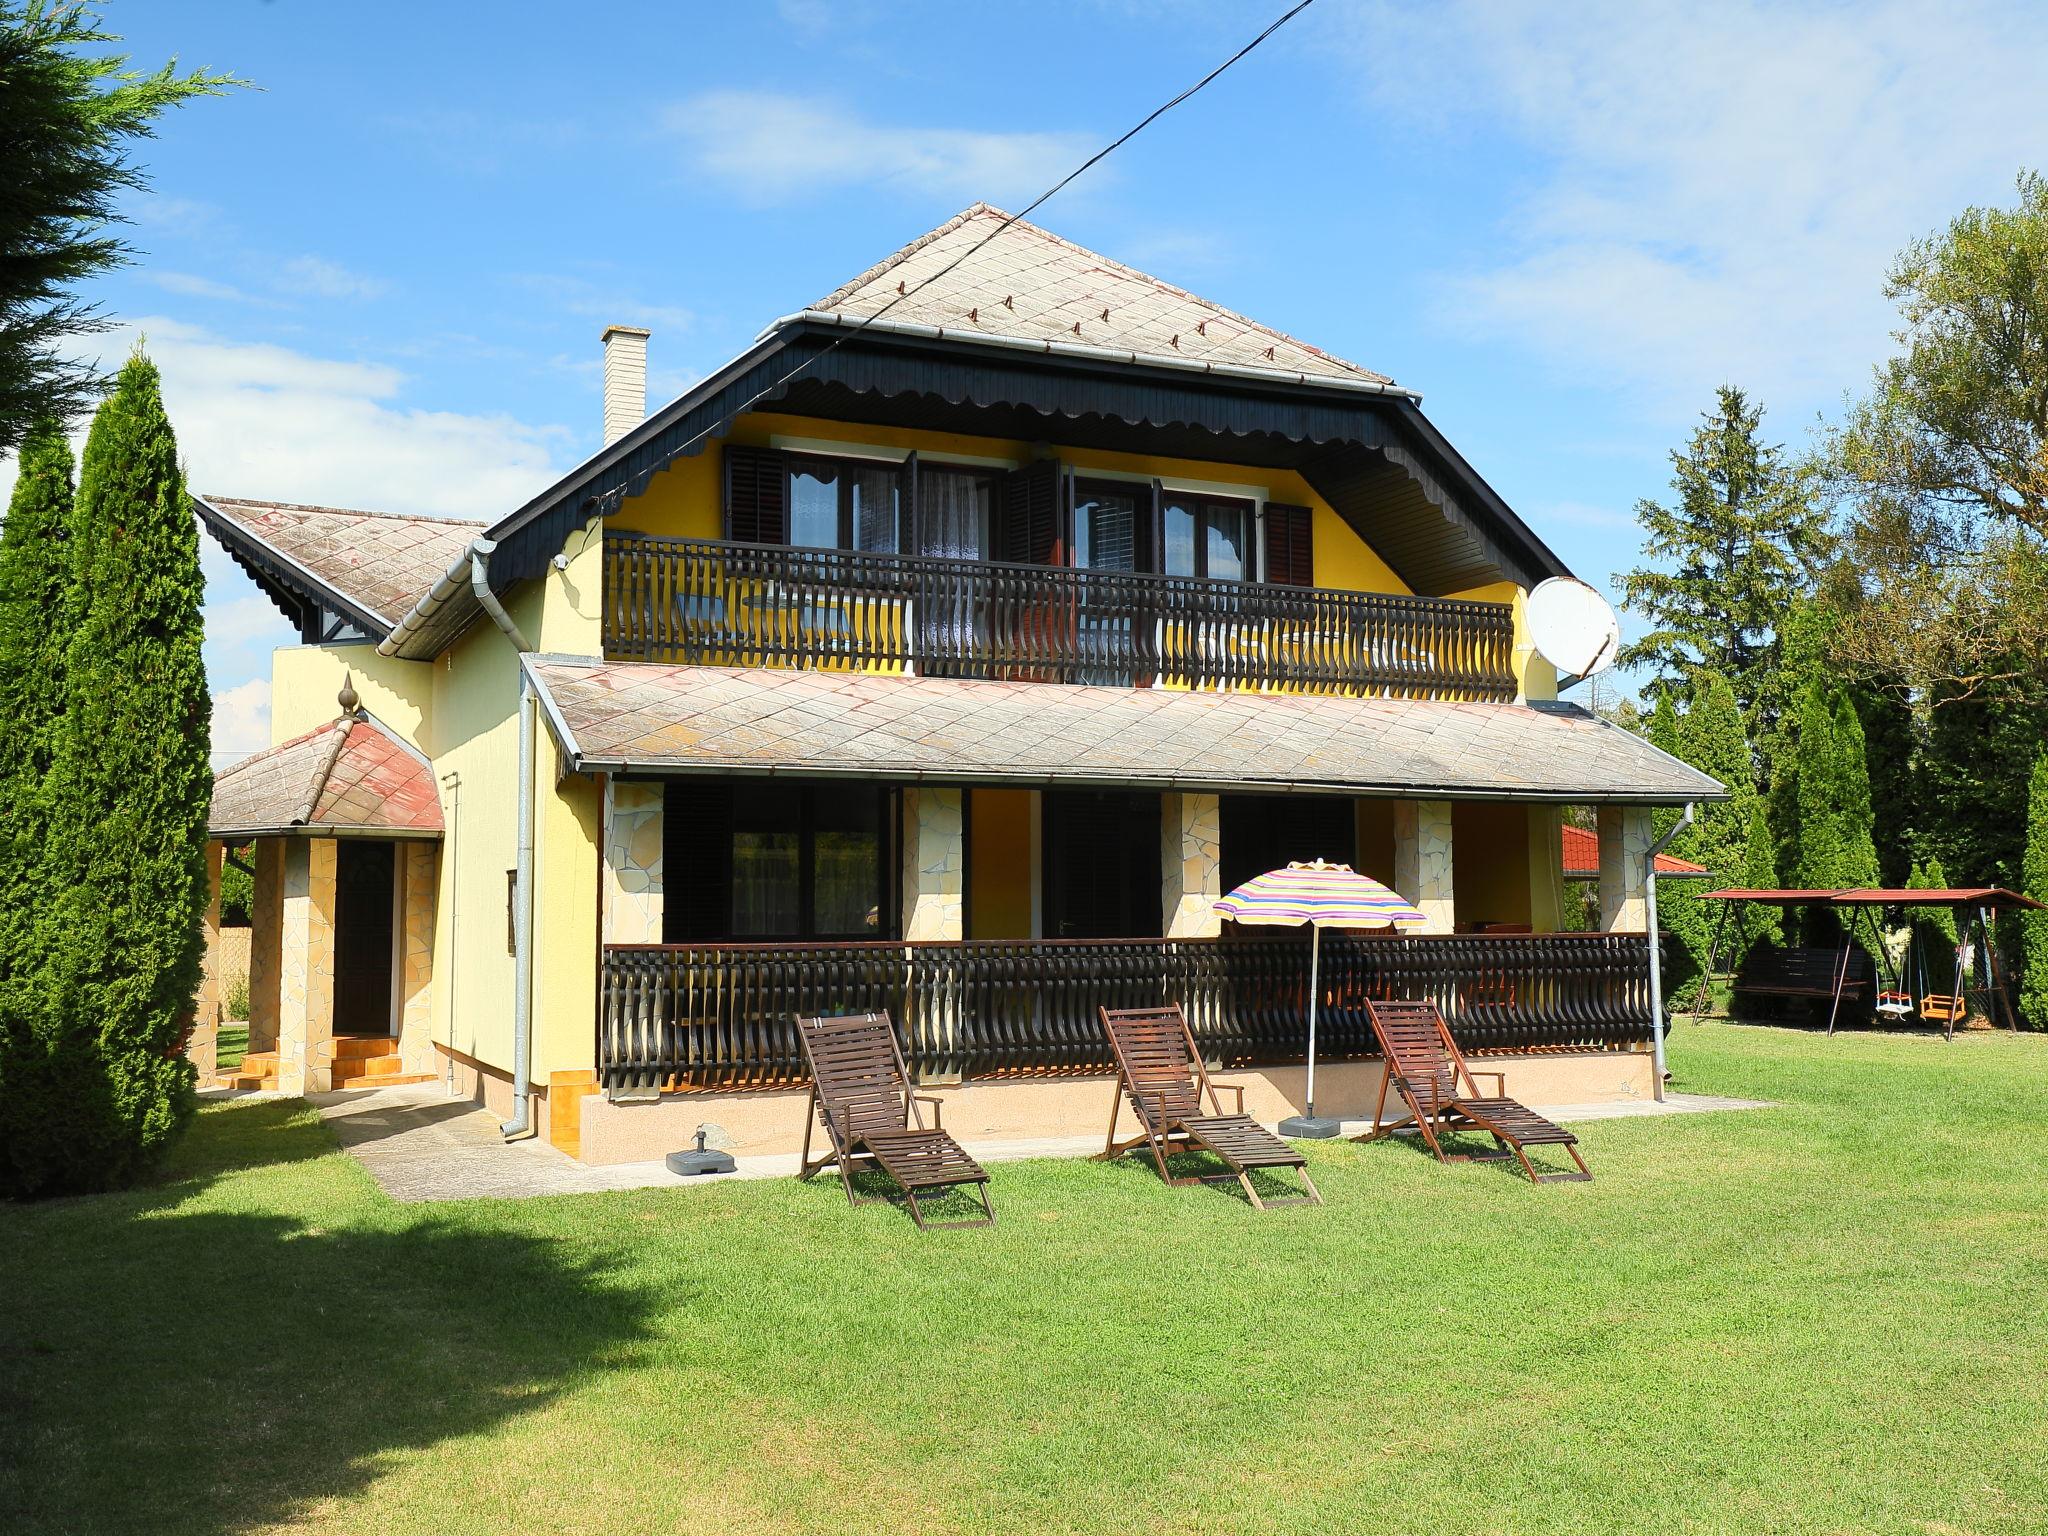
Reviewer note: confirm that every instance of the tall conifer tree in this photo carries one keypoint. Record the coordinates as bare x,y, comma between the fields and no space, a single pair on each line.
2033,996
1711,738
128,791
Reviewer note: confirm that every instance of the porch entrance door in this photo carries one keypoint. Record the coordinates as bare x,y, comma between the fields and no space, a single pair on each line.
363,913
1101,865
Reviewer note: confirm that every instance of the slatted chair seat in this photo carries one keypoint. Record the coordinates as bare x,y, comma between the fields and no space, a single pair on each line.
860,1093
1160,1074
1427,1070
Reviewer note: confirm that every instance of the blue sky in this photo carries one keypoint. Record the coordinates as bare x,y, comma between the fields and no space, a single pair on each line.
379,281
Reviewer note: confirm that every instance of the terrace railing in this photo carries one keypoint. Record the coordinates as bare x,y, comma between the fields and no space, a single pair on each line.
721,1016
713,603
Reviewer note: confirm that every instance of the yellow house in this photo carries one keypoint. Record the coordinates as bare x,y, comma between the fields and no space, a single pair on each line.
949,651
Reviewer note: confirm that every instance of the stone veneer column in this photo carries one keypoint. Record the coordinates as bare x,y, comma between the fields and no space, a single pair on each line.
1625,839
1422,861
1190,865
266,930
422,867
305,1012
202,1045
934,864
632,863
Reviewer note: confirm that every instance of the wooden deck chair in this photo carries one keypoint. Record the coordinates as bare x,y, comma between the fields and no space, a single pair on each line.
1425,1067
861,1093
1161,1073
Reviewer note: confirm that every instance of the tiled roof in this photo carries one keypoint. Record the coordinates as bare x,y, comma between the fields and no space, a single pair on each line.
1582,858
1029,284
350,774
614,715
380,561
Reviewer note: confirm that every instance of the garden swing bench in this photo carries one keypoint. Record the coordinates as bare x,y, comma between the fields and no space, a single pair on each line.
1847,972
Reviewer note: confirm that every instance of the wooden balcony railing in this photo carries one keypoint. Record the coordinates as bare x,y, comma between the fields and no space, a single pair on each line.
721,1016
710,603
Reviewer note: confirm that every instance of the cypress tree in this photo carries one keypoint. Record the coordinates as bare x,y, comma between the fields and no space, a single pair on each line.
1890,750
1934,934
34,581
1711,738
128,792
2033,946
1662,730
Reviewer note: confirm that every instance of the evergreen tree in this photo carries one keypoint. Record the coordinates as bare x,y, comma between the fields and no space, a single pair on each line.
1732,553
1931,957
2033,926
1711,738
127,798
34,578
1662,730
1830,847
1972,776
1890,750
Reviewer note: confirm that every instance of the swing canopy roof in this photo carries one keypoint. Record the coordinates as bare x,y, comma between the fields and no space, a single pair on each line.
1992,896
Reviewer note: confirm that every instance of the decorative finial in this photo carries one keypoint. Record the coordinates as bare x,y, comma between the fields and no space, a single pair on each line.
347,698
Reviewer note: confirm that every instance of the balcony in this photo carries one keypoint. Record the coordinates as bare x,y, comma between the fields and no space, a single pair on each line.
711,603
720,1017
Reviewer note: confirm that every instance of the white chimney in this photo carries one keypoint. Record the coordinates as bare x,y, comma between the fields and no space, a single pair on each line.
625,380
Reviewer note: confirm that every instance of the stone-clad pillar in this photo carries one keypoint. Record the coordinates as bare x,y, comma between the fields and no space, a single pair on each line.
202,1046
1190,865
305,1013
934,864
266,930
422,867
632,863
1422,861
1625,838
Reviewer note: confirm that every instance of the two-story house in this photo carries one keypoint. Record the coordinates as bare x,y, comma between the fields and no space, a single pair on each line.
949,651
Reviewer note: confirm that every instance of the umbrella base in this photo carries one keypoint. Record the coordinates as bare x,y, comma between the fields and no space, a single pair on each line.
1309,1127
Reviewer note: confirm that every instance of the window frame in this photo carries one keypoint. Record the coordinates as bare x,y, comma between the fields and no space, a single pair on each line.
1203,503
844,468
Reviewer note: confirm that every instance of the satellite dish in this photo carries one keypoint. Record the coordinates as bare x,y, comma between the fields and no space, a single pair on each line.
1573,627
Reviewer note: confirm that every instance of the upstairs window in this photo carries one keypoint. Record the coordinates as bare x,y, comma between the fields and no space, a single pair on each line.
956,512
1208,536
844,504
1110,517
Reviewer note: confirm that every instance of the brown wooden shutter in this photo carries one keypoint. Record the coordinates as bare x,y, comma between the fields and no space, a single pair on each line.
696,842
909,511
1037,505
1290,545
756,495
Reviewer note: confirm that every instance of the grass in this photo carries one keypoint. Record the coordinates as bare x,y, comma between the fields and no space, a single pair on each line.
1824,1316
230,1045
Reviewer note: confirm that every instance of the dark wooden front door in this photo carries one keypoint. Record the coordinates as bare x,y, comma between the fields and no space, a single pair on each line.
1101,865
362,937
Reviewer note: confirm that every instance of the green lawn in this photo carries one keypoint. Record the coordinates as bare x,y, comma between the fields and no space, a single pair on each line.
1826,1316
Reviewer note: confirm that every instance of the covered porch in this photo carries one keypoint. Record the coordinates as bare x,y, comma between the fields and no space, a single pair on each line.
342,832
1054,851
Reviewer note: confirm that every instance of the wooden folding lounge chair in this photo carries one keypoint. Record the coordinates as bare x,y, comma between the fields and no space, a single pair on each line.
861,1093
1161,1073
1425,1067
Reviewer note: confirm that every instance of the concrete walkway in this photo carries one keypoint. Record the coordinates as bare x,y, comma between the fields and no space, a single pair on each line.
419,1144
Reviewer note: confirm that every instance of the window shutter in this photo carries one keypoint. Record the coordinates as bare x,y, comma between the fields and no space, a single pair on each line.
1034,498
910,515
1152,530
696,842
1290,545
756,495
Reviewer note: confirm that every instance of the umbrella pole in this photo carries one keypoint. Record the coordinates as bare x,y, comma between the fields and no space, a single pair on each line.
1311,1125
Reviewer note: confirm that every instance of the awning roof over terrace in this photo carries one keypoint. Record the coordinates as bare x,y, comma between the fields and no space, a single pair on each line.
640,718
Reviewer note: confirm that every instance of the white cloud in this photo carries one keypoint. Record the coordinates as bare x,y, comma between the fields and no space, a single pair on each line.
241,721
1715,192
192,286
327,280
608,303
769,148
257,419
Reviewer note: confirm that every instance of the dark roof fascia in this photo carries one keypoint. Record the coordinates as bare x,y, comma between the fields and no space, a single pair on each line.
336,830
283,579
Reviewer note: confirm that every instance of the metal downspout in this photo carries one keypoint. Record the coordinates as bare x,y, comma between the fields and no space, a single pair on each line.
1656,949
522,1123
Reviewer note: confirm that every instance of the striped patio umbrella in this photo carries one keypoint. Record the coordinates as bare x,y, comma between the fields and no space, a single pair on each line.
1323,896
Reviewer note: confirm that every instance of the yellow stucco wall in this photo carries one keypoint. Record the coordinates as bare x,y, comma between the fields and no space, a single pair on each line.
306,679
999,864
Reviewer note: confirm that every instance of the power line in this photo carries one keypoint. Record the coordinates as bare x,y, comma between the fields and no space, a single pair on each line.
1008,219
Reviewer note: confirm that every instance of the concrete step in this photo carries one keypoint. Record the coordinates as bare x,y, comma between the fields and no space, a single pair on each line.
384,1080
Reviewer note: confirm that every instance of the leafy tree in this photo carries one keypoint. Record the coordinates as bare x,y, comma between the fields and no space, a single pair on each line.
237,890
1972,773
68,118
127,797
34,600
2033,926
1946,458
1737,546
